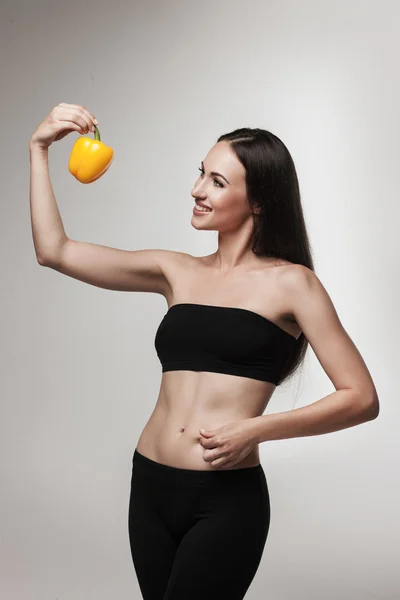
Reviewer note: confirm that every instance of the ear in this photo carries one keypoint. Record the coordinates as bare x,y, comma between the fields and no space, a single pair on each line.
256,209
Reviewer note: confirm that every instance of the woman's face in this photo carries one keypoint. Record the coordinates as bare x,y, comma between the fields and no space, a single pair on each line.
224,193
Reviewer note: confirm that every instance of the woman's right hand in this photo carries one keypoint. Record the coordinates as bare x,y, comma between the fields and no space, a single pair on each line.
63,119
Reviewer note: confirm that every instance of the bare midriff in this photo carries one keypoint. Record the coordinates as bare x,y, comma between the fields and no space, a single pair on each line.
190,401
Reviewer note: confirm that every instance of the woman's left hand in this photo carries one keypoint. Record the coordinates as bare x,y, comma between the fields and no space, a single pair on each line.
229,444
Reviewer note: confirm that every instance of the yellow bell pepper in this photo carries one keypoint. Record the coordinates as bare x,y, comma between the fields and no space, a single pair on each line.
89,158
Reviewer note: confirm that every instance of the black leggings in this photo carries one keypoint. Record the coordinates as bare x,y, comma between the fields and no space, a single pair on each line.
196,534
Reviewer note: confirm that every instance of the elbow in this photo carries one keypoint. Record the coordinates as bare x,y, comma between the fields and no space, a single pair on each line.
371,409
47,260
365,403
41,260
49,255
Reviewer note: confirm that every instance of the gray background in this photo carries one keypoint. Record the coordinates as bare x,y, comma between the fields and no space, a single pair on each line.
79,372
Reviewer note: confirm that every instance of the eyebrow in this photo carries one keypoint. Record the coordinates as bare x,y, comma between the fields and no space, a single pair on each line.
215,173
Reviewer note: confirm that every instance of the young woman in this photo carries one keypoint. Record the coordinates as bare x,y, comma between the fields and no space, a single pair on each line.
237,325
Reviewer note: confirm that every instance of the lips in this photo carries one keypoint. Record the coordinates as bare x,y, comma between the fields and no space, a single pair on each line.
202,204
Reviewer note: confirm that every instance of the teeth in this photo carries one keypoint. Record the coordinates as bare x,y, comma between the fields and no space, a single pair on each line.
199,207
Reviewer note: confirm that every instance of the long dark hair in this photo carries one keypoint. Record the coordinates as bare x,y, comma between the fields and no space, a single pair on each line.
273,193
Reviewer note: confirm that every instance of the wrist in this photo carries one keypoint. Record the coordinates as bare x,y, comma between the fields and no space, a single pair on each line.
37,147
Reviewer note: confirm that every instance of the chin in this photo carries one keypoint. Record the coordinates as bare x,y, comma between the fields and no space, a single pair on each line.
195,222
200,226
195,225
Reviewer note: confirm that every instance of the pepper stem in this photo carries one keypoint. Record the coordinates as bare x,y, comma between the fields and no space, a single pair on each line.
96,134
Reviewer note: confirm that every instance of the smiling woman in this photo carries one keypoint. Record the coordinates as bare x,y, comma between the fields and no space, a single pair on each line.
237,326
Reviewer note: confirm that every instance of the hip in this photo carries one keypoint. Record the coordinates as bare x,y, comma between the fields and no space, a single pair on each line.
227,501
242,487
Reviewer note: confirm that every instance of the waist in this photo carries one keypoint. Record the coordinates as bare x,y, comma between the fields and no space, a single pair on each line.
172,434
185,455
163,470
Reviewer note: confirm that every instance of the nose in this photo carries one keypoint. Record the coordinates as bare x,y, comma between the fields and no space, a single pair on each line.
197,192
199,196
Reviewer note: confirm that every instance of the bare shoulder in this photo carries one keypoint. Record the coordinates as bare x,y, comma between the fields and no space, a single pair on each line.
173,257
293,275
174,264
174,261
186,260
297,282
288,275
307,300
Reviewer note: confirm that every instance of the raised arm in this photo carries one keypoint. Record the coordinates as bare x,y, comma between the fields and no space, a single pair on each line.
102,266
114,269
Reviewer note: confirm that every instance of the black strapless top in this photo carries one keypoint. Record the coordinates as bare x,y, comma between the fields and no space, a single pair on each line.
222,339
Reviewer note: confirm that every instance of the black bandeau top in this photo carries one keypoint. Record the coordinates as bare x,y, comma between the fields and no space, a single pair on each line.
222,339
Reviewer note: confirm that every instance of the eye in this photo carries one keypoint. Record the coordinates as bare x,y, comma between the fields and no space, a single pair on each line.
202,172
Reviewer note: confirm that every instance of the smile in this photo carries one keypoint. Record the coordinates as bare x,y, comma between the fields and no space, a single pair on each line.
201,209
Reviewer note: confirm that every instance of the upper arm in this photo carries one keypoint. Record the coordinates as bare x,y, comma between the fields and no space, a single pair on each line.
315,313
115,269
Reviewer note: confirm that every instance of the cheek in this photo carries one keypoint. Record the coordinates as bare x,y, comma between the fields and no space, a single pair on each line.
228,206
225,202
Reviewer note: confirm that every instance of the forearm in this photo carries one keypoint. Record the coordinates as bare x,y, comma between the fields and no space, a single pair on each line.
339,410
47,226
